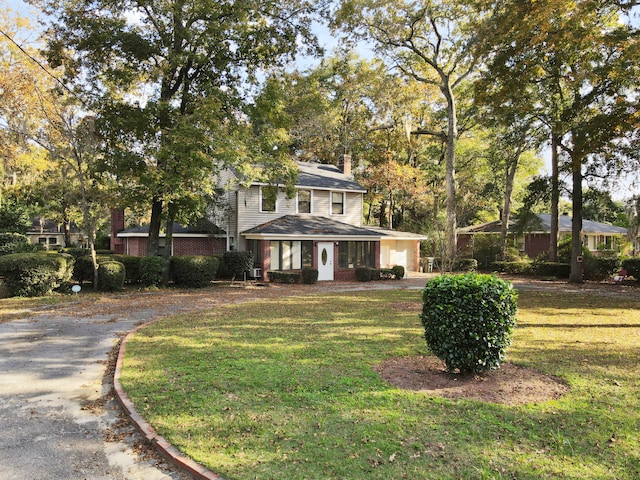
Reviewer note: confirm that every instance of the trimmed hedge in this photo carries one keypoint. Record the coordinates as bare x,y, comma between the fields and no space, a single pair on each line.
111,275
238,263
551,269
152,271
514,268
193,271
632,266
600,267
76,252
309,276
15,243
83,267
465,265
277,276
131,267
398,272
35,274
366,274
468,320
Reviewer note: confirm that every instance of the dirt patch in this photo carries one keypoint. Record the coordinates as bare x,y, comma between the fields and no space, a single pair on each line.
509,385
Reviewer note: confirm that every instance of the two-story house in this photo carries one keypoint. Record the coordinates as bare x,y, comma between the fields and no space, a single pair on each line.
320,226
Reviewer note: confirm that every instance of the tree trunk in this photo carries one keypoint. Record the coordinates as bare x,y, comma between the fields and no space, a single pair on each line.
66,227
154,228
171,215
555,200
510,176
576,225
450,175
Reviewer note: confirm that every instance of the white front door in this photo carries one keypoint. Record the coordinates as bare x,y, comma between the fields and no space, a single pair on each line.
325,261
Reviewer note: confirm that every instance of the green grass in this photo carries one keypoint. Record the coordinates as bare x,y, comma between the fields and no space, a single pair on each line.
285,389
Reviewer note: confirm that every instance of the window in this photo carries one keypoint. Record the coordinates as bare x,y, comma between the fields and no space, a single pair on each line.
356,254
42,240
337,203
291,255
255,247
53,241
304,201
268,199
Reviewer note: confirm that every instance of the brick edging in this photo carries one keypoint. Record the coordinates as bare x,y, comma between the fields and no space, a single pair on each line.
163,447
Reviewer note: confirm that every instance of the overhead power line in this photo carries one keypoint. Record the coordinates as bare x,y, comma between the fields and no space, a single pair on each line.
41,65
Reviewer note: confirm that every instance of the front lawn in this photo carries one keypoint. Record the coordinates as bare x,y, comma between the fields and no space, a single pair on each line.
285,389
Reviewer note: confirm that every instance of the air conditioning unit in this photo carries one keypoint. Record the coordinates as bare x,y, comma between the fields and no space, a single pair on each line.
256,273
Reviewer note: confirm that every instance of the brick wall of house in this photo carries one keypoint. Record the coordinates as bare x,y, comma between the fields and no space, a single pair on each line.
198,246
536,244
345,275
136,246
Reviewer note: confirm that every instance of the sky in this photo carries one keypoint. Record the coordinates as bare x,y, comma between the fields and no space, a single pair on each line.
625,188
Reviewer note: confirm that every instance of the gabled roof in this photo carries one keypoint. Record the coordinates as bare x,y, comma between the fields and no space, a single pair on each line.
327,177
203,227
42,225
321,177
396,234
309,227
564,226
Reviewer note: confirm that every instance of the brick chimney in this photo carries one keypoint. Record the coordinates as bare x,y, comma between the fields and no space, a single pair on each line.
344,164
117,225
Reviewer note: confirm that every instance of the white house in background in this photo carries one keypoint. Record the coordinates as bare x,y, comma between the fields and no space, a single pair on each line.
51,234
320,227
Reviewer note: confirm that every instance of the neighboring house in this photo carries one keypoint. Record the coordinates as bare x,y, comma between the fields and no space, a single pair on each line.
320,227
51,234
596,236
205,238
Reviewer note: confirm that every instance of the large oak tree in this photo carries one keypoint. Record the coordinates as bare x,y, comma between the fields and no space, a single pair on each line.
166,81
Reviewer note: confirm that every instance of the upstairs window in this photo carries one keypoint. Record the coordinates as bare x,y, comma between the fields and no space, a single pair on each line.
268,199
337,203
304,201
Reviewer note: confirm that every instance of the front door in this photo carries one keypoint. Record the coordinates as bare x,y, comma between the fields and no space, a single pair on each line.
325,261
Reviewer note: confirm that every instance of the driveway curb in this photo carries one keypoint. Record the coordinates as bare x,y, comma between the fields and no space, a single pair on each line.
167,450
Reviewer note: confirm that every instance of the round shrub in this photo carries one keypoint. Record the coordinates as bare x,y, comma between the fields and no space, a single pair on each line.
34,274
195,271
468,320
398,272
152,270
111,276
83,267
237,263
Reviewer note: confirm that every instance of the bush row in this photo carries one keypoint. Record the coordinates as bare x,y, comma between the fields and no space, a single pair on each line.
16,243
306,275
544,269
459,264
366,274
632,266
35,274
